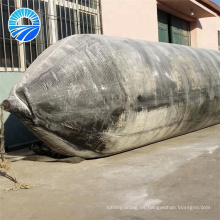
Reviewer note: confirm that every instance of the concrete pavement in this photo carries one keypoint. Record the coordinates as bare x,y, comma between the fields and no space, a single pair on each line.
173,179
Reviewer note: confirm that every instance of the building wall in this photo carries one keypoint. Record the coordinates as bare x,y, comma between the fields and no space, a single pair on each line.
193,32
207,33
8,79
138,19
204,33
130,18
15,132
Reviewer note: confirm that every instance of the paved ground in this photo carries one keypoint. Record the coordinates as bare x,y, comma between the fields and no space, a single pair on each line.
158,181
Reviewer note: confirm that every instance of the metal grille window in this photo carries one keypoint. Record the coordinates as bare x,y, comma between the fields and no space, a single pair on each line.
40,43
87,23
77,16
59,19
8,46
66,21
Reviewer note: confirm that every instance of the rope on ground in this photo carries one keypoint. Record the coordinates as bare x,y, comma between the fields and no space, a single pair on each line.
5,166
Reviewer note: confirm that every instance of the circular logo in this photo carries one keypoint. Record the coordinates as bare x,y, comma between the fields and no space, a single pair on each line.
24,33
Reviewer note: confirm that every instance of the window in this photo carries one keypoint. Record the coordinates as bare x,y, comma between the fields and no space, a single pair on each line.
87,23
172,29
77,17
66,21
59,19
8,46
40,43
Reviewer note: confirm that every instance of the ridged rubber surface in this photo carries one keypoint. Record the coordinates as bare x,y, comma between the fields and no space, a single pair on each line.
93,95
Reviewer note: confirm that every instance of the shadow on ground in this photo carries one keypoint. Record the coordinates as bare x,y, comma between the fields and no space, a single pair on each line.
16,134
